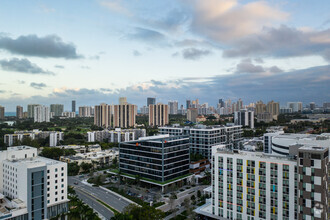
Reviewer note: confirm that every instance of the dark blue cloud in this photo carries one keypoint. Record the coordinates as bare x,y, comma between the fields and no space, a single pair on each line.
32,45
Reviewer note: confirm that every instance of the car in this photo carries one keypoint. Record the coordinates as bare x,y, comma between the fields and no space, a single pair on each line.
75,183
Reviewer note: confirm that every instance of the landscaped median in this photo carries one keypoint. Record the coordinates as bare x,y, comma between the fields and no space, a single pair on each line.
116,171
109,207
100,201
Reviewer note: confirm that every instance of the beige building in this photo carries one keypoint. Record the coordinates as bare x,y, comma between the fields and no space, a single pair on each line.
273,108
99,158
2,112
122,100
124,116
260,107
158,114
102,115
19,112
192,114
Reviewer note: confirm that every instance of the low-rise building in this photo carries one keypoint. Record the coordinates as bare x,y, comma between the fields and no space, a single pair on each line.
98,158
18,136
115,136
200,166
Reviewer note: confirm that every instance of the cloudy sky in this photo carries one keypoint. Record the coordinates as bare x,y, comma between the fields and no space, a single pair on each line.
95,51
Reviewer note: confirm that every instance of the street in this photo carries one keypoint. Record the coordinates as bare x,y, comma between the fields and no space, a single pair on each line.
98,207
91,194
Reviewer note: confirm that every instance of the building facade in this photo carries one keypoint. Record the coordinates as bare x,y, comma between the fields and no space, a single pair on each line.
202,138
19,112
103,115
38,183
57,109
192,114
41,114
244,118
19,136
31,110
2,112
250,185
85,111
151,101
158,115
159,158
115,136
73,106
173,107
124,116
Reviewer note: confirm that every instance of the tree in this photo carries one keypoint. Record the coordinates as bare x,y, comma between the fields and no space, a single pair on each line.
186,203
172,198
199,194
73,169
133,212
52,152
85,166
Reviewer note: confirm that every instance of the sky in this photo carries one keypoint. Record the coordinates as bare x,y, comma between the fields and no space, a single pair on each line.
98,50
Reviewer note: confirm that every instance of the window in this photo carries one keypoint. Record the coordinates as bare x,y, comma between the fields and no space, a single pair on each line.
62,168
55,169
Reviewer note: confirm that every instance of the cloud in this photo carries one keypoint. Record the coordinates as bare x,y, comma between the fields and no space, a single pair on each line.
116,6
195,54
32,45
148,36
59,66
228,20
136,53
247,66
85,67
38,85
283,42
2,91
21,82
23,66
313,83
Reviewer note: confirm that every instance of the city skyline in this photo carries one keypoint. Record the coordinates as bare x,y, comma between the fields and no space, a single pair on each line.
176,51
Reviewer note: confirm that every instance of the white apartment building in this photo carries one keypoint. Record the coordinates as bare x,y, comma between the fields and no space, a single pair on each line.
203,138
248,185
54,138
295,106
41,114
244,118
116,136
18,136
251,185
68,114
31,179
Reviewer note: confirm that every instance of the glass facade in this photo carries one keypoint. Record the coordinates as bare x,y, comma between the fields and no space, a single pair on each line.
156,159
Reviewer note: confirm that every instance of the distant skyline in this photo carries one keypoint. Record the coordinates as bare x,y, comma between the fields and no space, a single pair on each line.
96,51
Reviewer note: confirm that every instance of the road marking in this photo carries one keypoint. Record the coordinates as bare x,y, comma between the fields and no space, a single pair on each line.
94,199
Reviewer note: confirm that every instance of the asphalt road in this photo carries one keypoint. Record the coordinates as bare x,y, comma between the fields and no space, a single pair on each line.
109,198
93,203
